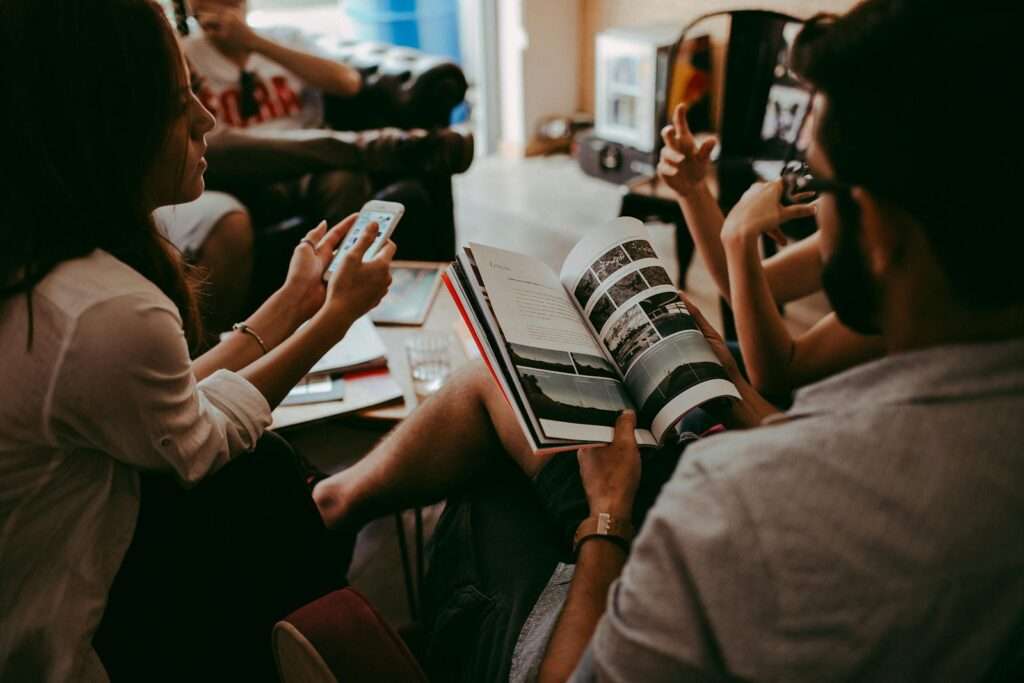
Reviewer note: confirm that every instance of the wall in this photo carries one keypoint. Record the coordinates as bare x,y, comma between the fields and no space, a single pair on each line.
539,64
597,15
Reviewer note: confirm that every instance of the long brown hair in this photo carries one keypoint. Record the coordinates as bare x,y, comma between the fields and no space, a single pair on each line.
91,91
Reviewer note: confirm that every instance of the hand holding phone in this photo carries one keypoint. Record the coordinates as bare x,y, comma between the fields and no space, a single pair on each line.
385,214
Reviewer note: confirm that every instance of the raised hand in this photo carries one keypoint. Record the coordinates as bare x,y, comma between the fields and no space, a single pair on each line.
227,28
611,473
760,211
683,165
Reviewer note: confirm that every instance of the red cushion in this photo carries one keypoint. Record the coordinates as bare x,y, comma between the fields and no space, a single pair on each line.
353,640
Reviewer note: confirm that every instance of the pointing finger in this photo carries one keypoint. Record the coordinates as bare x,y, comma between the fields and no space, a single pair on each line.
365,240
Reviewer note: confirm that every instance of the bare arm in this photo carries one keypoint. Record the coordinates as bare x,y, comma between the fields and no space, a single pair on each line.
352,291
598,564
767,346
228,30
683,166
776,361
610,476
827,348
275,321
327,75
795,271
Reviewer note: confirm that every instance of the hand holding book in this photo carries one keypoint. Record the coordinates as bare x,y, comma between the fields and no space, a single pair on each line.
571,352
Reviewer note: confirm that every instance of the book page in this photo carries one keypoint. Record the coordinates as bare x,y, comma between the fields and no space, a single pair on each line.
360,347
563,375
530,303
634,310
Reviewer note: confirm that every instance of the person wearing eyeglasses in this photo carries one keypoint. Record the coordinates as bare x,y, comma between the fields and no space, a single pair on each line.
872,531
776,361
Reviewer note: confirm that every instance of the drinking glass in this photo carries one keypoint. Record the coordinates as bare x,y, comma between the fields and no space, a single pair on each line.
429,355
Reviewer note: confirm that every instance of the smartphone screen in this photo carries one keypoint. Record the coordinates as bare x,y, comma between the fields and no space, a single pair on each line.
383,220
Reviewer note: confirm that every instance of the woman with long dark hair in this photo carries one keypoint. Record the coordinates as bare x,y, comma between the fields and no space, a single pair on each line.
96,315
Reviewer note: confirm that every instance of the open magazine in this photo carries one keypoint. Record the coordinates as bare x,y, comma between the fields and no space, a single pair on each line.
572,351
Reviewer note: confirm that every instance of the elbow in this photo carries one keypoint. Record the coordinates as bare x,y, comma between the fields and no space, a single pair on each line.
346,82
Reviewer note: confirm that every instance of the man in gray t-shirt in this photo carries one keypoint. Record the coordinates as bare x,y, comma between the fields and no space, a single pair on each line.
873,532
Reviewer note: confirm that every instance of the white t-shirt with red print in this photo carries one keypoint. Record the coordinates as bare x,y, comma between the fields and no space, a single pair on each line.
284,100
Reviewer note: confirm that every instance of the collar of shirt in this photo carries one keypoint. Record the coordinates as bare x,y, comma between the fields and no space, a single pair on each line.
940,373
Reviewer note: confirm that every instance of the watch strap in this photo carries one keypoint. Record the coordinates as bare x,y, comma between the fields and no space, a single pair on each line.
603,525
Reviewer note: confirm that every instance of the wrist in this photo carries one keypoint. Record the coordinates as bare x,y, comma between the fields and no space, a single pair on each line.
698,191
607,527
333,316
289,304
619,507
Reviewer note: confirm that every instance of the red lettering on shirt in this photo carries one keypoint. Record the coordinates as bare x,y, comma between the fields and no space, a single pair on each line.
285,95
276,102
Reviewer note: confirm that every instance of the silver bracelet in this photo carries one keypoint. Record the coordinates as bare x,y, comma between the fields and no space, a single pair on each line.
245,329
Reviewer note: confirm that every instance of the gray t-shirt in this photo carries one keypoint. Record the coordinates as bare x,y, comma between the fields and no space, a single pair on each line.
876,535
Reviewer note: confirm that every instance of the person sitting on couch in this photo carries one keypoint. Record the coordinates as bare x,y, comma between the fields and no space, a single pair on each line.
272,159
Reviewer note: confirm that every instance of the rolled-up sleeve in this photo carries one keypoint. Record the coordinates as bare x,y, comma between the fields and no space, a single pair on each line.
125,387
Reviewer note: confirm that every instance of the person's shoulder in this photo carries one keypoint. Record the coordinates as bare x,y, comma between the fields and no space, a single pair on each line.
735,453
99,281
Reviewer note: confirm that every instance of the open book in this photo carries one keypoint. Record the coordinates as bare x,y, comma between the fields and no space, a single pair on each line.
572,351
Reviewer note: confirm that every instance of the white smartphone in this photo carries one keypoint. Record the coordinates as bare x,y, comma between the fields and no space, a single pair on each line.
385,214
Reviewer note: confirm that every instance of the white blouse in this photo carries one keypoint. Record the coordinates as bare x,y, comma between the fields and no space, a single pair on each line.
106,388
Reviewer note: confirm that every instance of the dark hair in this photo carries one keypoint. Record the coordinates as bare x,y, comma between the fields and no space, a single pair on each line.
909,86
91,91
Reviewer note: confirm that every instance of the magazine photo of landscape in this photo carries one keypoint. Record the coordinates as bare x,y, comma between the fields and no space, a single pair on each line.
655,276
659,377
602,310
639,249
573,398
668,313
595,366
629,336
609,263
543,359
627,287
586,288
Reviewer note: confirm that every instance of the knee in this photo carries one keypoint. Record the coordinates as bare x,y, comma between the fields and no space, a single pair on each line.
343,192
232,237
475,378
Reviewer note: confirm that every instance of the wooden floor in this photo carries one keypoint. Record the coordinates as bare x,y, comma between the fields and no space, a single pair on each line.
542,207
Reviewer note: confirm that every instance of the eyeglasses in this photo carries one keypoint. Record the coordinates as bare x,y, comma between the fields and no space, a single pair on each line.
797,179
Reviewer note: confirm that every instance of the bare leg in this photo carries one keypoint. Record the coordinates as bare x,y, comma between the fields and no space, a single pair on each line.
438,448
226,259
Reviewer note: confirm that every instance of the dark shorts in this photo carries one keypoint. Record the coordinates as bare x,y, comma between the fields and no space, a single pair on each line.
494,550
